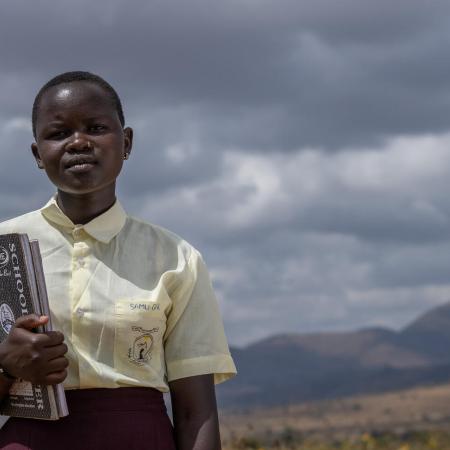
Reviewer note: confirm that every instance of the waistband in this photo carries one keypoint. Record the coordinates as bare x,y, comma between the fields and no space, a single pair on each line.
115,399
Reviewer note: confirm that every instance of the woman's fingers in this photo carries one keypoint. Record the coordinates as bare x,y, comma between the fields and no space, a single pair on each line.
30,321
56,377
57,365
55,352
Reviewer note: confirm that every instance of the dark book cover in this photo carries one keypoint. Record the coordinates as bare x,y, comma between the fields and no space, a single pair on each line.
18,297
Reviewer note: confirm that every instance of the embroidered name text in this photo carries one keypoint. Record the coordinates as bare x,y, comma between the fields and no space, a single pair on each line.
145,306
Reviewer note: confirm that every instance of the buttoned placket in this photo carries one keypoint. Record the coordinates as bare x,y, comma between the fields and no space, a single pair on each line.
79,297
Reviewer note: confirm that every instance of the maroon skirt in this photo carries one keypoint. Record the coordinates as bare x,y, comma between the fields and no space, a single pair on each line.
122,418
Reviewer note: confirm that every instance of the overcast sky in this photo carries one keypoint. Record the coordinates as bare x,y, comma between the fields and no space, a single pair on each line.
302,146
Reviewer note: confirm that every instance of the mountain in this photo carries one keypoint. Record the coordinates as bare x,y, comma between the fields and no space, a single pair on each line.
429,335
291,368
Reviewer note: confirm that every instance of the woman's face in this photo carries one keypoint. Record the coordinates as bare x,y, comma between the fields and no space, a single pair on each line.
80,141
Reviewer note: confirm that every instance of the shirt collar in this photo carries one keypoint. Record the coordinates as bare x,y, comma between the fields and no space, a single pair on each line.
103,227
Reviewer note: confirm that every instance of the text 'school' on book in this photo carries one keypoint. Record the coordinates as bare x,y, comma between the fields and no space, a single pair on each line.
22,292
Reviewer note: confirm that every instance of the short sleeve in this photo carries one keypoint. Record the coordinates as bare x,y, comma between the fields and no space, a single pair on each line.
196,342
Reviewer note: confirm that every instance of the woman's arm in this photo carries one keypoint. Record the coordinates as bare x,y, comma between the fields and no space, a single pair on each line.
195,413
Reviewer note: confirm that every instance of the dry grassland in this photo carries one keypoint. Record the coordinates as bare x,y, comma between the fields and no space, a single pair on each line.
420,414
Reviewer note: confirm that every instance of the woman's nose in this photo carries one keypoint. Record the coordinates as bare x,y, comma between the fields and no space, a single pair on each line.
79,142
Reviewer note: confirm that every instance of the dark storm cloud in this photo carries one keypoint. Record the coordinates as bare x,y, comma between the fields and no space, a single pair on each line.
265,75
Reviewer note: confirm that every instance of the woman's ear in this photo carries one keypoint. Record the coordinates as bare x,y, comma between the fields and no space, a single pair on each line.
35,152
128,141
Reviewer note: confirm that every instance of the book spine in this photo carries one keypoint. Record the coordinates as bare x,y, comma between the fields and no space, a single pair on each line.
58,389
31,276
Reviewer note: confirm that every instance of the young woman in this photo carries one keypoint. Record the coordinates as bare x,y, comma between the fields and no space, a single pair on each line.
132,302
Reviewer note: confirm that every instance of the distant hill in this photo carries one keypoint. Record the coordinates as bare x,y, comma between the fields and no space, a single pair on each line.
291,368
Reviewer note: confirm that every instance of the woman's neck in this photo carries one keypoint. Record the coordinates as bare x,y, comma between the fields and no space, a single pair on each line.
82,208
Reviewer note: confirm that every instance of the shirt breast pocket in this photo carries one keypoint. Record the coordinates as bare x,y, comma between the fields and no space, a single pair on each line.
138,343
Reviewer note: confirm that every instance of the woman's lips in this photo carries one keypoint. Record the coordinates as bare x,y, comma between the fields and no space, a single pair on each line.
80,165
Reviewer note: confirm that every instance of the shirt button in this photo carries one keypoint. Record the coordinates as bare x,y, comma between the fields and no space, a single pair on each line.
77,232
80,312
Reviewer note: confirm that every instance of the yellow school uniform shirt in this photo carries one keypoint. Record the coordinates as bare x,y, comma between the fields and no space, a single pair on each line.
134,301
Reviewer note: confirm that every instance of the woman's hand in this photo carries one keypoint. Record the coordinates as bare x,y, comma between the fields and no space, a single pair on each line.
35,357
195,413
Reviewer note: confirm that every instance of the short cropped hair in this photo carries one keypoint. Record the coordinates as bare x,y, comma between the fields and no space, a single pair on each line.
69,77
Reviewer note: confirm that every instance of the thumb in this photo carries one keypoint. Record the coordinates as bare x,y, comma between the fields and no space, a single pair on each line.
30,321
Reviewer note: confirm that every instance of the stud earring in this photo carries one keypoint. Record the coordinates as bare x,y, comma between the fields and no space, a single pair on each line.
126,156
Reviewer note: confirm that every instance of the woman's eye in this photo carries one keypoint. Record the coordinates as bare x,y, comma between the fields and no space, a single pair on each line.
97,128
56,135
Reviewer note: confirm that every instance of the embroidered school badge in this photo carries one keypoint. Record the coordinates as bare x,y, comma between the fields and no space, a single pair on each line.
6,317
139,352
4,257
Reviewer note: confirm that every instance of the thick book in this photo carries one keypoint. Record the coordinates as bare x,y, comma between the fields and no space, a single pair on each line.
22,292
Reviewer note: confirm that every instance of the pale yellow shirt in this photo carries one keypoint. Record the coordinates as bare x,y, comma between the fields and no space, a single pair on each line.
134,301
